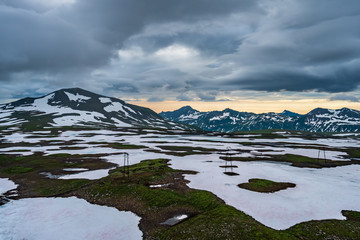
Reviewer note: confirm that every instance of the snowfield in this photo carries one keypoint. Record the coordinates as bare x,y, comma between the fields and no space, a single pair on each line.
65,218
319,193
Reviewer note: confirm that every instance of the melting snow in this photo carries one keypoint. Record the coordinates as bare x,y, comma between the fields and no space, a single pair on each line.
160,185
115,107
91,175
174,220
75,169
312,198
105,100
65,218
6,185
77,97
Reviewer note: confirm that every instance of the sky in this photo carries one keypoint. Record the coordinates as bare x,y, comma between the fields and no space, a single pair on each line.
248,55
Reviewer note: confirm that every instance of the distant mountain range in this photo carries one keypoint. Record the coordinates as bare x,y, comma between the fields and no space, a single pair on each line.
78,107
228,120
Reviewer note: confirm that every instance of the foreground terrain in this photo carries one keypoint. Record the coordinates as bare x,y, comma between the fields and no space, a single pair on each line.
277,185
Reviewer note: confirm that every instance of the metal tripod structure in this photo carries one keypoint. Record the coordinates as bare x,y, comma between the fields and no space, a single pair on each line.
228,159
319,154
126,166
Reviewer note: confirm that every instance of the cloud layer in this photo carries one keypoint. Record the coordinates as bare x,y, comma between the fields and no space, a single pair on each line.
202,50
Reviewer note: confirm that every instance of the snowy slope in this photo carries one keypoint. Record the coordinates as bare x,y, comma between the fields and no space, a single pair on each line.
328,120
75,106
318,120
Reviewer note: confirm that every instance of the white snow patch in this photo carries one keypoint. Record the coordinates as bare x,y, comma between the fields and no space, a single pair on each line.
6,185
115,107
181,217
77,97
75,169
160,185
91,175
105,100
217,118
50,175
65,218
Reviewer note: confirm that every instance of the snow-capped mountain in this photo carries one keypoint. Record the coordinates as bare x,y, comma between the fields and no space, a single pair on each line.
328,120
75,106
318,120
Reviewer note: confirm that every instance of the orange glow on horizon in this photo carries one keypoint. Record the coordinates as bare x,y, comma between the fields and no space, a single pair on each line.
256,106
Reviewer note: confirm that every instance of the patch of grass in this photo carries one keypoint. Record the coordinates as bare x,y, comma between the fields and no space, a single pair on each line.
351,215
158,166
187,148
17,170
302,161
353,152
10,158
60,155
299,161
221,222
326,229
182,150
265,186
123,146
55,187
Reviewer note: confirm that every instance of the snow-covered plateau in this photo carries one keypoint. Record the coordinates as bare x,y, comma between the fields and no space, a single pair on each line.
316,195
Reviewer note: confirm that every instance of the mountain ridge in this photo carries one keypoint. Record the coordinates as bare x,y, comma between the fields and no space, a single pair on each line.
228,120
76,106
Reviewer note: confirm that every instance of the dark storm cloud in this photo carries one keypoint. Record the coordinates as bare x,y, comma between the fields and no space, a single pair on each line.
344,97
207,44
338,79
207,96
86,33
33,42
187,48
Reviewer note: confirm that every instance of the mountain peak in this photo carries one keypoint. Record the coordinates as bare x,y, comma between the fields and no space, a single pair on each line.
76,90
77,106
290,114
186,108
318,111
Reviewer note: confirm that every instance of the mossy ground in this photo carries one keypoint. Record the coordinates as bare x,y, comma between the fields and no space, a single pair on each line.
183,150
299,161
265,186
210,217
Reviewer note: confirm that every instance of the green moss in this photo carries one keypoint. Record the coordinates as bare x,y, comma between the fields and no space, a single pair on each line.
326,229
351,215
265,186
353,152
221,222
61,155
300,161
10,158
53,187
17,170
